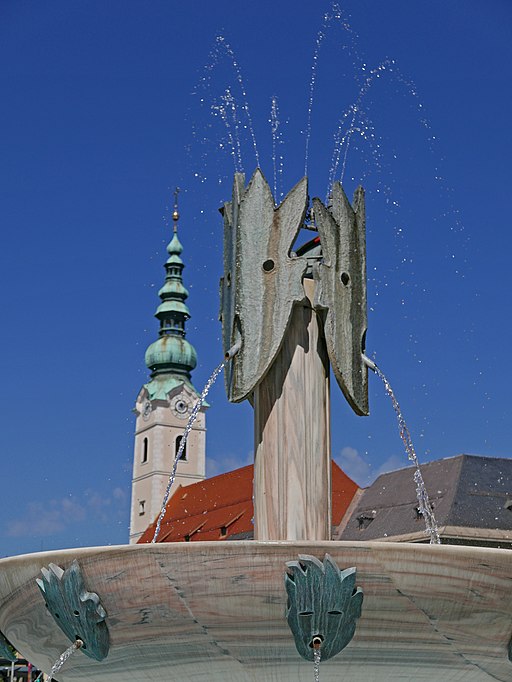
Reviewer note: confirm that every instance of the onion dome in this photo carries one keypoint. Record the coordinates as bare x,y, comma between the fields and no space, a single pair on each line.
171,358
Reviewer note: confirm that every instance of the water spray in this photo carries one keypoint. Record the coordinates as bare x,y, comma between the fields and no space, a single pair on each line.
424,505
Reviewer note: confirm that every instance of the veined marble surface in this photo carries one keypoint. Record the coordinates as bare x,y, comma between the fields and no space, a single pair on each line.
216,611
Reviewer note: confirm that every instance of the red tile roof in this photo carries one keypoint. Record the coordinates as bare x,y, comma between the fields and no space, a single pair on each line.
221,507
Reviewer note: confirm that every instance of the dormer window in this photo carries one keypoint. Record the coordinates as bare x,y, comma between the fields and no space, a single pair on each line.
365,519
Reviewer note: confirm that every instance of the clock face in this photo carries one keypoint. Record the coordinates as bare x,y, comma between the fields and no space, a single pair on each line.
180,407
146,410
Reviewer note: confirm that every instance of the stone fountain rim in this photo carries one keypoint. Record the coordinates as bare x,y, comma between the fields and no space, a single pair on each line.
190,614
258,546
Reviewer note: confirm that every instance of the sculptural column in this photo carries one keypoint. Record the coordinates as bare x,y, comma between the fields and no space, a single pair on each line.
292,452
286,318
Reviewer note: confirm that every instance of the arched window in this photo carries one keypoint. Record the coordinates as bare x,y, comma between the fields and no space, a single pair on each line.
144,451
183,457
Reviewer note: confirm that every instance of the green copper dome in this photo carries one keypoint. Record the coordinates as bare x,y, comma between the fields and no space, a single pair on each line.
171,357
171,353
174,247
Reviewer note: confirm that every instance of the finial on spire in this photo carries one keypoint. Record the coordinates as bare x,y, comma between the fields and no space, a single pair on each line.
175,213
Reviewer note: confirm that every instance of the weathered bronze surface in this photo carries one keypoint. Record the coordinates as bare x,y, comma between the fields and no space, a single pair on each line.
76,611
323,605
6,649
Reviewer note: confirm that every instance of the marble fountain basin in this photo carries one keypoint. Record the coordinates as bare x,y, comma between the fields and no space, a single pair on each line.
216,610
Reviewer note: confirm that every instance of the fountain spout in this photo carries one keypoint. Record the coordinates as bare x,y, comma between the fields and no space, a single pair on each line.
316,642
231,352
369,363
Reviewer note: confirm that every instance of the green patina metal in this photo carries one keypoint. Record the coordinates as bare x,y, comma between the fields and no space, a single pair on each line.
171,354
160,386
77,612
6,649
323,605
171,358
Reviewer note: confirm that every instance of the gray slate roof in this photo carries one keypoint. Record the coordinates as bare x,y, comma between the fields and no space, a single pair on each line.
467,491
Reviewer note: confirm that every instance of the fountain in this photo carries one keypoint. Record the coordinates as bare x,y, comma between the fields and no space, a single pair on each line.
265,609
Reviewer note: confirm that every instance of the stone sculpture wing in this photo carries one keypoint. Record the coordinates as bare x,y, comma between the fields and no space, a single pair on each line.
341,291
230,330
261,280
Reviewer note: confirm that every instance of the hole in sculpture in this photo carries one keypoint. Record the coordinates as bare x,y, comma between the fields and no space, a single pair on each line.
80,639
316,642
345,278
268,265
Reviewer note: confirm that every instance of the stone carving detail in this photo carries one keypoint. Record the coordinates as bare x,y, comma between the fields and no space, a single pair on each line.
6,649
263,281
323,605
76,611
341,291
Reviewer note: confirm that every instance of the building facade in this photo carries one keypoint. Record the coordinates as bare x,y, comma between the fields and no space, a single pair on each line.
164,404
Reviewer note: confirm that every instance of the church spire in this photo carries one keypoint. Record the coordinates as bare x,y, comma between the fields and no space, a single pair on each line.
171,358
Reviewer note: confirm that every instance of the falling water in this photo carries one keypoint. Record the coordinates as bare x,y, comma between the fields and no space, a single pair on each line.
56,667
343,139
319,40
336,14
222,43
277,158
317,655
228,113
424,506
183,442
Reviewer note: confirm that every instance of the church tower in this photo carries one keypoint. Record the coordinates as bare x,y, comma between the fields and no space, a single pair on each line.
165,402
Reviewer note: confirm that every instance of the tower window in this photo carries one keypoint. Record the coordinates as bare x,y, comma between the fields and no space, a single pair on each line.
144,450
142,505
183,457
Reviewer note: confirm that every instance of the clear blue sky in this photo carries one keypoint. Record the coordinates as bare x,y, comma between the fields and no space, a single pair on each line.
107,106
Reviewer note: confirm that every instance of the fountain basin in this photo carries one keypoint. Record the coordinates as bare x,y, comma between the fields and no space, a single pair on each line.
216,610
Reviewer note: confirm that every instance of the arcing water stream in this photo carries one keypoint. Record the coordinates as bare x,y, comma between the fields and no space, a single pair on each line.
183,442
57,666
424,506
